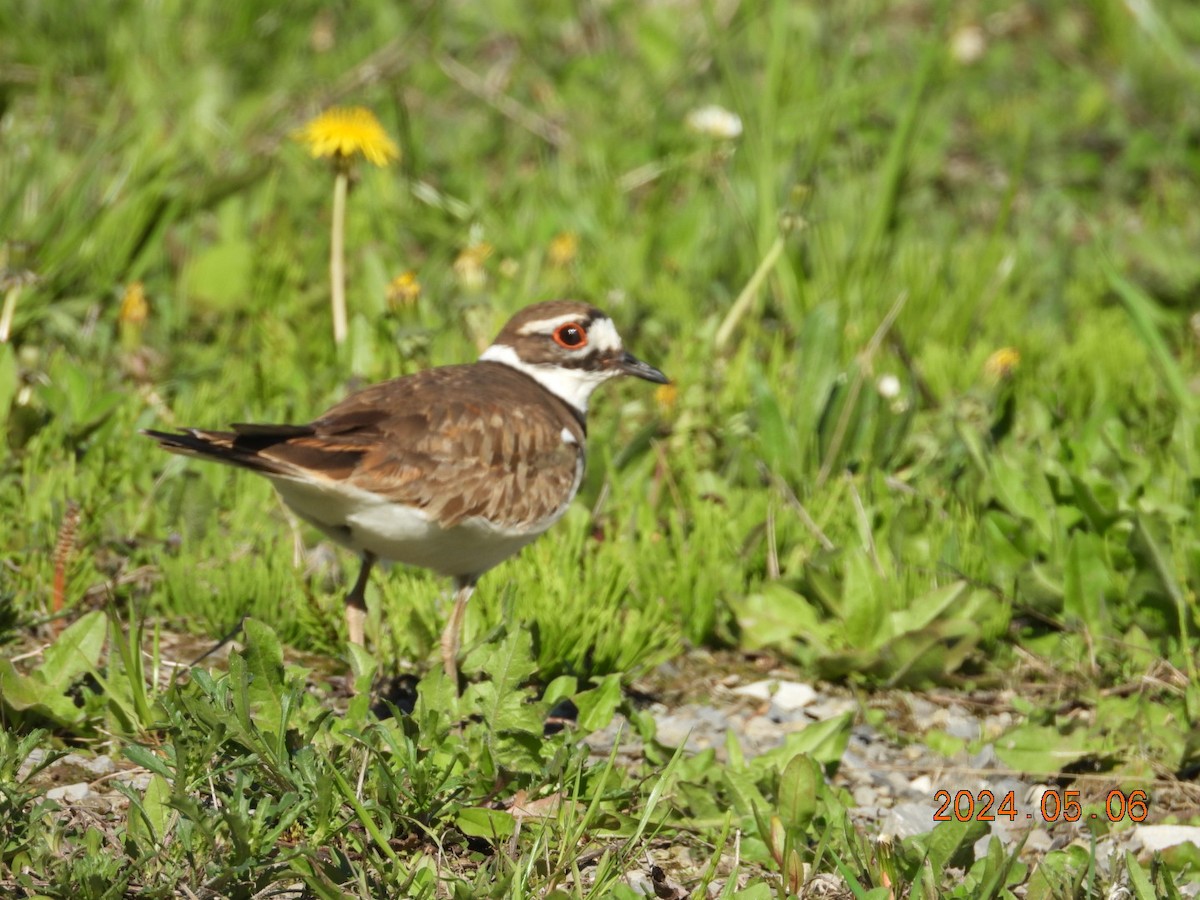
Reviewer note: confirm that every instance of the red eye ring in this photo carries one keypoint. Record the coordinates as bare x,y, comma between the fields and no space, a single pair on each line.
570,335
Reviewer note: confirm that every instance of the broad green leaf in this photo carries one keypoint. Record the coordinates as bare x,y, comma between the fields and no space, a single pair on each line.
490,824
819,356
156,807
436,707
500,700
75,652
31,693
918,658
776,614
1059,874
1087,582
147,759
364,666
950,843
774,434
1152,548
744,793
1142,888
561,688
43,691
799,788
1042,749
1097,500
1142,310
864,607
597,706
264,665
925,609
824,741
1024,494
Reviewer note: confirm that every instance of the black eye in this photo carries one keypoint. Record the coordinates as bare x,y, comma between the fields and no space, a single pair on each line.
572,336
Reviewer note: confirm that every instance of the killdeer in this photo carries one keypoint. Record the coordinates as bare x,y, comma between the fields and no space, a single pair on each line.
452,469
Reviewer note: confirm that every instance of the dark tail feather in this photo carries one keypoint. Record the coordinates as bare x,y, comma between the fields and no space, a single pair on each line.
235,448
272,434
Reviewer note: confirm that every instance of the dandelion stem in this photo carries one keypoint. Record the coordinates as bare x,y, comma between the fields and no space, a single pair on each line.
337,256
745,299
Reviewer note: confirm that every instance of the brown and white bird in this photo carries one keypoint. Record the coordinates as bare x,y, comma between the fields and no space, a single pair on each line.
452,469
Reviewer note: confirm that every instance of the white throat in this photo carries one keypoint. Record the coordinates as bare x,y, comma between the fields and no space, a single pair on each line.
572,386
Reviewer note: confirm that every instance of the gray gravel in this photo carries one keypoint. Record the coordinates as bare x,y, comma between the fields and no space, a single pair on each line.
893,783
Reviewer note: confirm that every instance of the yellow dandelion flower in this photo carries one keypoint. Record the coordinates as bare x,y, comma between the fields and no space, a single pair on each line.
469,265
134,308
342,133
404,290
665,396
563,249
475,254
1001,365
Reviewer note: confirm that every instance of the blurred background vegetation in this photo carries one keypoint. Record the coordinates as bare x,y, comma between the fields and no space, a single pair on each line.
952,402
929,304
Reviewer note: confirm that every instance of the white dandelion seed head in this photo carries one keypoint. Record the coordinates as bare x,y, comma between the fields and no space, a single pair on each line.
715,121
888,387
968,44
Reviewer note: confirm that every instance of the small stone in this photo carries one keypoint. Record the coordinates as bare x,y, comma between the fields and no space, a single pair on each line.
922,784
826,887
639,883
694,727
764,733
35,757
904,820
1106,851
1155,838
851,762
787,695
829,708
960,725
981,845
793,695
865,795
864,735
986,758
921,710
895,782
1038,843
711,716
137,780
100,766
70,793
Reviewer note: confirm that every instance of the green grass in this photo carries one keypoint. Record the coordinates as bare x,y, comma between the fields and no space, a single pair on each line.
889,210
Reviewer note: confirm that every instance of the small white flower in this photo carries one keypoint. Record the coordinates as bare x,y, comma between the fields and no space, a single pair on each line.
715,121
968,44
888,387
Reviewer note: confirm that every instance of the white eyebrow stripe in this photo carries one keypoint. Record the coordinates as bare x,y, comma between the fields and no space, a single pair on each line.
602,334
545,326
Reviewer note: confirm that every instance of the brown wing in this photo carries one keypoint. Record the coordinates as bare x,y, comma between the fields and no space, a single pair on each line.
460,441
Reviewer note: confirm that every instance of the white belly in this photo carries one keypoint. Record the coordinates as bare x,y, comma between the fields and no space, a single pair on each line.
393,533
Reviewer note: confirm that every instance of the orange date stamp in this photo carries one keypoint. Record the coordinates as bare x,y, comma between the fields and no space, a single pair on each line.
1054,806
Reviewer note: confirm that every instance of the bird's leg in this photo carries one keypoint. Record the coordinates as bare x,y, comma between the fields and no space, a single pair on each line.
451,636
356,601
